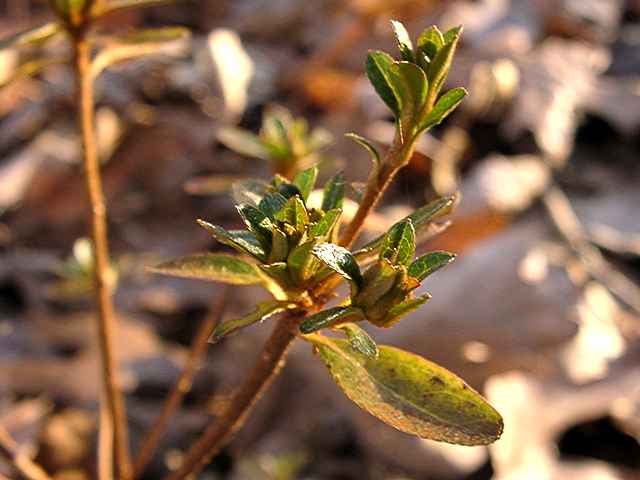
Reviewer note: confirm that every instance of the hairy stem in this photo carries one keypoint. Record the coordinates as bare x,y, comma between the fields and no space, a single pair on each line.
20,462
241,404
182,385
106,322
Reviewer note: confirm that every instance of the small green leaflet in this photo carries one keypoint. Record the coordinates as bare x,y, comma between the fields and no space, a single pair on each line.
329,317
305,181
262,312
425,265
410,393
333,195
399,244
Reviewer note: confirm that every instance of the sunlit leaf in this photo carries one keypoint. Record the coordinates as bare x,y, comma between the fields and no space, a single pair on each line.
411,393
329,317
271,204
399,243
263,311
378,280
242,142
249,192
439,67
446,104
379,70
257,222
341,261
402,40
429,263
326,224
360,340
301,263
32,36
215,267
430,41
241,240
412,85
279,246
368,146
333,196
404,308
305,181
104,7
295,214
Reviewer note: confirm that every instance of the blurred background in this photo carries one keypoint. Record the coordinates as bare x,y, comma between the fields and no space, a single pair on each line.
540,312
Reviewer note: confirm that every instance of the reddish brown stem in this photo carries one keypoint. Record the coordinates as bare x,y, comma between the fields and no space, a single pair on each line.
106,322
182,385
220,432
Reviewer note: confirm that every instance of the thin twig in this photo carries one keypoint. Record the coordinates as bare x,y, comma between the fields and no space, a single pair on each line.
106,322
182,385
21,463
270,362
568,224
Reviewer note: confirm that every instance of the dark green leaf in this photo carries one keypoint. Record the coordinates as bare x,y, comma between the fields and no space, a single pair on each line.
333,195
215,267
399,244
379,70
446,104
258,223
329,317
429,263
360,340
279,246
295,214
305,181
242,142
264,310
439,67
272,204
411,393
241,240
301,263
408,306
411,85
341,261
326,224
368,146
31,36
403,40
430,41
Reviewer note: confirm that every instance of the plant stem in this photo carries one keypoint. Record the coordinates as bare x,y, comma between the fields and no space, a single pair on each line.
182,385
396,157
20,462
269,363
106,322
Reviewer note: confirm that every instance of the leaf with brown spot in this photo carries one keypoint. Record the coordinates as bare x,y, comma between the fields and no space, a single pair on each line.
410,393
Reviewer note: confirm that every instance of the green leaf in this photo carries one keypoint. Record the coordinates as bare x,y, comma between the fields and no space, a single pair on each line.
399,244
241,240
263,311
411,84
279,272
408,306
429,263
368,146
446,104
326,224
272,204
153,35
279,246
258,223
378,280
110,6
242,142
32,36
295,214
403,40
360,340
430,41
301,263
333,195
215,267
452,34
305,181
379,70
411,393
341,261
249,192
329,317
439,67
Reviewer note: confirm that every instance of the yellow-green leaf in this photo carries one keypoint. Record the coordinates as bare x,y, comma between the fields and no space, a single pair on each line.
411,393
329,317
429,263
215,267
31,36
263,311
359,339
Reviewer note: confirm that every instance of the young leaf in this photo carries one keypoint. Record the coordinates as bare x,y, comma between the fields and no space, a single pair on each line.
399,244
279,246
411,393
333,196
429,263
439,67
31,36
242,142
258,223
341,261
446,104
430,41
403,40
398,311
241,240
378,280
215,267
452,34
301,263
360,340
379,70
263,311
325,225
368,146
412,85
294,213
305,181
329,317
